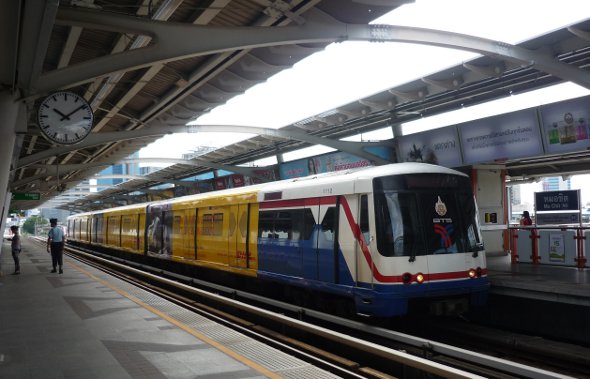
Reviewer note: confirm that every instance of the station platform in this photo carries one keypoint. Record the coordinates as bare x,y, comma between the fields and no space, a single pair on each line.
86,324
548,301
559,284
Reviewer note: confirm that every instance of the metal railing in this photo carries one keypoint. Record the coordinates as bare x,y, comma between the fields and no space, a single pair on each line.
557,245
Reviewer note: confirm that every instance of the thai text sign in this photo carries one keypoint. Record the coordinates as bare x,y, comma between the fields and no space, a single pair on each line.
557,201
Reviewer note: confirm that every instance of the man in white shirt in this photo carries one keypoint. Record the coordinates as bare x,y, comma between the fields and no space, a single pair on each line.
55,245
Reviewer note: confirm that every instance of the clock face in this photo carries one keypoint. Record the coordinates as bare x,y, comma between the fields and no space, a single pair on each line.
65,117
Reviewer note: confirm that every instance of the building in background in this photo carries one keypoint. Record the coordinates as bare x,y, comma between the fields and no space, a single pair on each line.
118,169
556,183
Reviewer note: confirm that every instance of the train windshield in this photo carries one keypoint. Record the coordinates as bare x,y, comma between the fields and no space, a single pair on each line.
423,214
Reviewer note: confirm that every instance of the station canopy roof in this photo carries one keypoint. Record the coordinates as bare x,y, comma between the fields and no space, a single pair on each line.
149,67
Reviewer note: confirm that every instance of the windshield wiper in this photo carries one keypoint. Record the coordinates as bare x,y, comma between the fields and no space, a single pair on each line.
478,248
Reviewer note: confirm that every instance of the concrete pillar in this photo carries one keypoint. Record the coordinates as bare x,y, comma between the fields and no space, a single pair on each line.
9,112
490,193
396,130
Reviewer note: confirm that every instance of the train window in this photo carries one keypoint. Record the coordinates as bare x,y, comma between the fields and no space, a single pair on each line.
397,224
207,224
443,223
218,224
178,225
308,224
293,224
283,225
127,225
473,239
265,224
328,224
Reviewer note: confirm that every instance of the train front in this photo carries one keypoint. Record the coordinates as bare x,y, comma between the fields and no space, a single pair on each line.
428,250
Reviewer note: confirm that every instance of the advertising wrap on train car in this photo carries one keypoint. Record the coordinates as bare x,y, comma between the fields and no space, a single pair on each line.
159,221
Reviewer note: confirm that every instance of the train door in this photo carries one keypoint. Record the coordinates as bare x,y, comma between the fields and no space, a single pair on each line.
189,233
155,228
167,246
89,229
141,232
319,260
182,237
238,236
327,242
364,245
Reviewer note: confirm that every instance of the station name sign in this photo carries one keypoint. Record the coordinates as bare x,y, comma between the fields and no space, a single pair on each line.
557,201
26,196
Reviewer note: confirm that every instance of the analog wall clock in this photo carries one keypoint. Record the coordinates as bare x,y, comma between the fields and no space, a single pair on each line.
65,117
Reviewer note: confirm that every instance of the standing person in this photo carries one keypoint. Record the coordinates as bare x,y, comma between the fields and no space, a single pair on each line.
55,244
16,248
526,220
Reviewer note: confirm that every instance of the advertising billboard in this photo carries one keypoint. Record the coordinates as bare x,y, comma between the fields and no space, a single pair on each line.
437,146
565,125
507,136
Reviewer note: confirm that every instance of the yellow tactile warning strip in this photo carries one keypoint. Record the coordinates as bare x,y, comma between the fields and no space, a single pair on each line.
264,359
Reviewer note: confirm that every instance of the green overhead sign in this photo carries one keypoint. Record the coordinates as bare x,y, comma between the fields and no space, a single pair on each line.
26,196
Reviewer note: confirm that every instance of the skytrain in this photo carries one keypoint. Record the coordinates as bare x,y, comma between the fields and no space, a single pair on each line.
380,239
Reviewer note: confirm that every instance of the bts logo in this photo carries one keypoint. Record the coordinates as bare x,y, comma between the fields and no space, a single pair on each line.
445,232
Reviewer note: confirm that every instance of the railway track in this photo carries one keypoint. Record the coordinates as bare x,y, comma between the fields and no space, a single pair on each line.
346,347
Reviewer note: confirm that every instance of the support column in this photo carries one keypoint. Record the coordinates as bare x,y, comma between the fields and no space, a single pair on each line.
397,130
8,127
489,188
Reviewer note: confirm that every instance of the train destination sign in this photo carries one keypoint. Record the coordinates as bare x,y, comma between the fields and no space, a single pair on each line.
26,196
557,201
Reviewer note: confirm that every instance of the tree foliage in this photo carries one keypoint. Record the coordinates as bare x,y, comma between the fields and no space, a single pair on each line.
29,225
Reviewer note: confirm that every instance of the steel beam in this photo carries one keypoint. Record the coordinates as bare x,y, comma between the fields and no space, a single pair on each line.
174,41
94,139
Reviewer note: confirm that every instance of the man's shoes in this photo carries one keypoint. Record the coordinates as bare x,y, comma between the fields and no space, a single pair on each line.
16,273
54,270
61,271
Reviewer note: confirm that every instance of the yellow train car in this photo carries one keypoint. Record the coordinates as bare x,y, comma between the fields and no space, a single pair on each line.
210,230
125,228
78,227
122,228
214,230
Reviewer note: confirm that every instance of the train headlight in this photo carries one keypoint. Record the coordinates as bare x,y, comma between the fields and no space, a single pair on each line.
479,272
407,278
419,277
472,273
